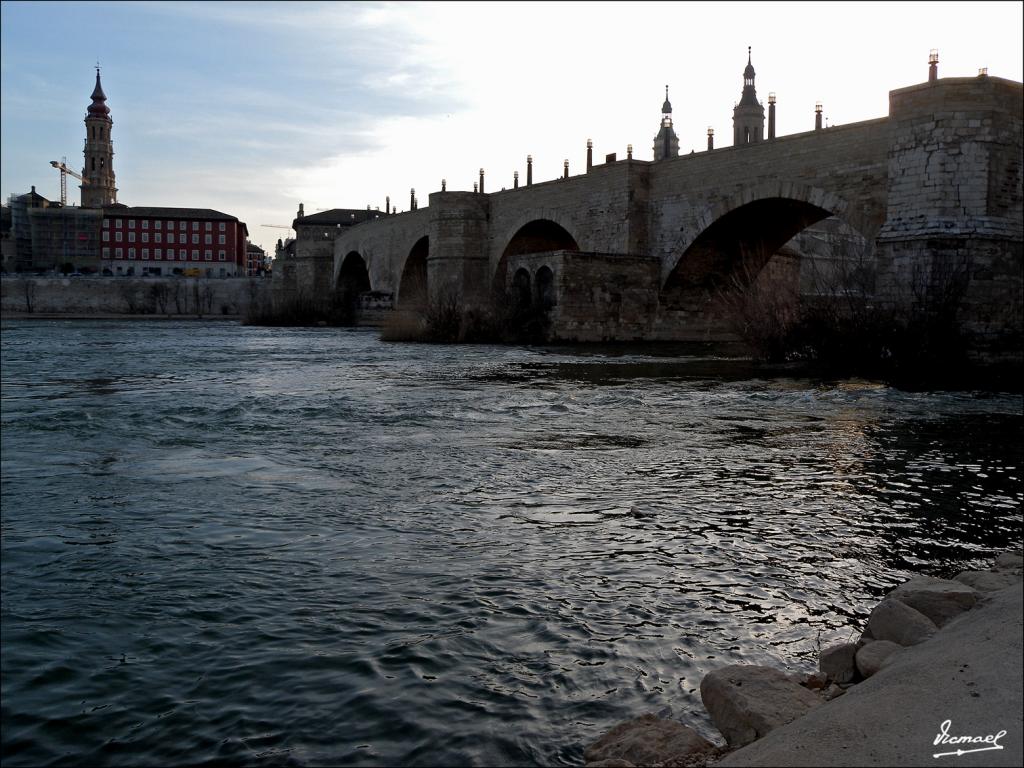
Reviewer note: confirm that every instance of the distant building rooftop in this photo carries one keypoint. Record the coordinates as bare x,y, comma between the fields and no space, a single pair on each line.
155,212
345,216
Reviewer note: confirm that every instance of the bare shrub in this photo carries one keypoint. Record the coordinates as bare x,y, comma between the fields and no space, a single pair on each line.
841,325
28,292
129,294
160,294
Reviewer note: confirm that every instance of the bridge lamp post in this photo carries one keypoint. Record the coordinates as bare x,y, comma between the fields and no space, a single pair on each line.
565,169
529,170
771,115
933,65
817,116
629,151
711,138
590,155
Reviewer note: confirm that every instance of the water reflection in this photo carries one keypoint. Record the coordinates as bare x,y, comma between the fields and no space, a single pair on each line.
313,548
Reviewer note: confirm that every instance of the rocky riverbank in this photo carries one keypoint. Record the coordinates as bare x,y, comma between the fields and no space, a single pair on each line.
933,650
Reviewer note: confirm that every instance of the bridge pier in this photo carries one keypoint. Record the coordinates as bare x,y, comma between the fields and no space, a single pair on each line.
953,241
457,260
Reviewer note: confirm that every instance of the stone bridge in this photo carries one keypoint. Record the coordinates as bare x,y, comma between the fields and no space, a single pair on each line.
639,250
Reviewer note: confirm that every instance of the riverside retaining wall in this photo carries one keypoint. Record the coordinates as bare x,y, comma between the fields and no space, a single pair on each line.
160,296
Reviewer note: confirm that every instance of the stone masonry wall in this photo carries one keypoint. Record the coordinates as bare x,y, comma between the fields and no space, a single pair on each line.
133,295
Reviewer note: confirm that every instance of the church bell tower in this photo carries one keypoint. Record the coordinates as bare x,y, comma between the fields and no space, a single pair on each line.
98,190
666,143
748,116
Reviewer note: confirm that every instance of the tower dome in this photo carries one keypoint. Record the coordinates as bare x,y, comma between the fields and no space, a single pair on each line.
98,108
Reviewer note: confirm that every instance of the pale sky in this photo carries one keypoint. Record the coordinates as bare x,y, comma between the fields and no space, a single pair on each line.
252,108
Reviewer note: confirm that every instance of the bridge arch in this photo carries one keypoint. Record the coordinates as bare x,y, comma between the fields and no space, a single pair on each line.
532,235
353,277
733,238
412,285
352,282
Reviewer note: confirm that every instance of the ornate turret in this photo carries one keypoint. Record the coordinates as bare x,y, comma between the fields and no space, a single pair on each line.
666,143
748,116
98,189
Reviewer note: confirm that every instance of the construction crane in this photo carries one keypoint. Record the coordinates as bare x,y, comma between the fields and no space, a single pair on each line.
64,171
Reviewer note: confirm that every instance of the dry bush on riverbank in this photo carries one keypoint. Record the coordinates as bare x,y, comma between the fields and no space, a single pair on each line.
840,325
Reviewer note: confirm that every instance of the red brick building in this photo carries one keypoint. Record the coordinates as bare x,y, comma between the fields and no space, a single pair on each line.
167,241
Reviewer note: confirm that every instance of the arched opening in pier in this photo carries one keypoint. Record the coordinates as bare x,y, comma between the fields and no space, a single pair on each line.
412,288
353,281
521,295
545,286
537,236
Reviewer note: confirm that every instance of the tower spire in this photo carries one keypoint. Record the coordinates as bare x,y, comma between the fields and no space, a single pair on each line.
748,117
666,143
98,190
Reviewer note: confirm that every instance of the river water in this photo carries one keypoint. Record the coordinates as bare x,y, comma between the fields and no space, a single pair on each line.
256,546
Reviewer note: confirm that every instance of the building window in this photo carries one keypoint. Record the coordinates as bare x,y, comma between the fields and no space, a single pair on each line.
106,223
220,240
158,237
106,236
181,225
195,239
131,237
145,254
119,252
195,226
209,239
106,253
117,223
145,223
184,255
145,237
208,255
195,254
158,225
131,223
117,236
158,253
221,256
170,237
131,253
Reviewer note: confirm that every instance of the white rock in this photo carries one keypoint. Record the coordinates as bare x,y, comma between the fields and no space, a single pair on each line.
938,599
746,702
872,657
898,622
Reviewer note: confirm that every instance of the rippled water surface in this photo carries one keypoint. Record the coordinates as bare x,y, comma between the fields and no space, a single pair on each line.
308,547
